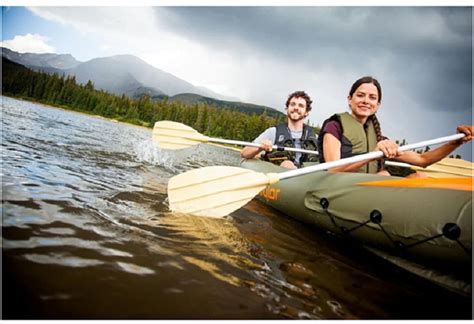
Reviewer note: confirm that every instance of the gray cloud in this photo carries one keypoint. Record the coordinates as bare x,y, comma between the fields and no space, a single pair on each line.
427,49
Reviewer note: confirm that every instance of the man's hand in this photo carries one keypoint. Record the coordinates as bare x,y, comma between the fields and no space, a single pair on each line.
266,145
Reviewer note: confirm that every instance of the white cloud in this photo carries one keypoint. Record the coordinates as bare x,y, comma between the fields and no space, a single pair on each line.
136,31
113,22
29,43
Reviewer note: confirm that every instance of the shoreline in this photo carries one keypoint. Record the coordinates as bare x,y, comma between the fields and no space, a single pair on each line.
79,112
107,119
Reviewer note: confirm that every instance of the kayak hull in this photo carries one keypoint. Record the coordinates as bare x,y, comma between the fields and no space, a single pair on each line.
425,221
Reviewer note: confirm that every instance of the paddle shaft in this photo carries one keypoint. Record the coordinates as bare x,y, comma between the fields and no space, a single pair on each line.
275,147
362,157
407,147
398,164
282,148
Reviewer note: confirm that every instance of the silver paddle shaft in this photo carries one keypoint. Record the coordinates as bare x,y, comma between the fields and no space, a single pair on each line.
275,147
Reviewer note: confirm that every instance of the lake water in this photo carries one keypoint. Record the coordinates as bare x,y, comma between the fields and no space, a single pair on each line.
87,234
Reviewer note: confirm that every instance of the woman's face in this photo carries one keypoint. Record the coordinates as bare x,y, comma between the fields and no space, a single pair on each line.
365,101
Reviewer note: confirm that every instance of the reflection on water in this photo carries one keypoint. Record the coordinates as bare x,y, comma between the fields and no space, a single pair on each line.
87,233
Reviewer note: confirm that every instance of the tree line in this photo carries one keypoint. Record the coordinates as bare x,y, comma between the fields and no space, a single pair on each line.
65,92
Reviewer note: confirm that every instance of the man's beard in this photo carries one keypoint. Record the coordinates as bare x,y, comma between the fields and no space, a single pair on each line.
300,117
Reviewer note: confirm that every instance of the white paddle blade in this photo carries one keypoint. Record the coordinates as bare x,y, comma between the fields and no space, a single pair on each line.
175,136
215,191
446,168
454,168
458,163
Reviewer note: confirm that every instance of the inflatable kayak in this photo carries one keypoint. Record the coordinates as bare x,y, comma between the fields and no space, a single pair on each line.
428,220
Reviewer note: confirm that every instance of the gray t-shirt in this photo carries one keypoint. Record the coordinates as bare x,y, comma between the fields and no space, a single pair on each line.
270,134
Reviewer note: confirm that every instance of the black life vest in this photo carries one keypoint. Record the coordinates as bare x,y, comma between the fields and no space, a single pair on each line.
283,138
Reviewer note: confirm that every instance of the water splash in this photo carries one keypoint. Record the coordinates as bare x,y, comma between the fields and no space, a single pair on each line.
149,153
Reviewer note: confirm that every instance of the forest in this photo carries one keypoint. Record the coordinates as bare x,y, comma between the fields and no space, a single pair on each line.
64,92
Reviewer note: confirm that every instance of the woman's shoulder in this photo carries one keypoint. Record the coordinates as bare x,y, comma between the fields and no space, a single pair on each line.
332,127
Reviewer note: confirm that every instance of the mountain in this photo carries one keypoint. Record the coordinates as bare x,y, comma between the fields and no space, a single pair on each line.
36,61
112,75
150,92
191,98
120,74
130,75
148,75
8,65
209,93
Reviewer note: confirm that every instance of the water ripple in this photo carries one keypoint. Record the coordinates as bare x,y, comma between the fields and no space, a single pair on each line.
62,260
133,268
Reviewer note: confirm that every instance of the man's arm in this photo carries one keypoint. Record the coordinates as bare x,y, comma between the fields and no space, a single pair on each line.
266,140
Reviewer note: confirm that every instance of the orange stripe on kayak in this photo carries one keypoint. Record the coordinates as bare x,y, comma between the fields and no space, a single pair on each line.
464,184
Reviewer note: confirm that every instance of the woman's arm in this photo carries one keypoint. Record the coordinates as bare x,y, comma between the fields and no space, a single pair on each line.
425,159
332,152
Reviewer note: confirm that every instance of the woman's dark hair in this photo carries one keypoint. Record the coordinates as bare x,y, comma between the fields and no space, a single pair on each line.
378,130
366,79
300,94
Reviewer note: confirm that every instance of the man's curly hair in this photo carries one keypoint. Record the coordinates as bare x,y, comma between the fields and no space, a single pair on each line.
300,94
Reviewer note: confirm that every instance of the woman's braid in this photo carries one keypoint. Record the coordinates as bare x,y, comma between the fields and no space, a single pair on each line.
378,130
380,137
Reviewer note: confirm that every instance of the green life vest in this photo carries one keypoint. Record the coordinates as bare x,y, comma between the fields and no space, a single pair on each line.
362,139
355,139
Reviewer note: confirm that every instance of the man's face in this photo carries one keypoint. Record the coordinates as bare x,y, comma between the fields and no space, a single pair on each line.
296,109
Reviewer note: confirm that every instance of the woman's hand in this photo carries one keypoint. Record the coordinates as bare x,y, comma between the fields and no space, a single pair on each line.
466,129
389,148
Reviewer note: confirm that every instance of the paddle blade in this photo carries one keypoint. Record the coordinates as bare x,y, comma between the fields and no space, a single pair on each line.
458,163
449,167
175,136
215,191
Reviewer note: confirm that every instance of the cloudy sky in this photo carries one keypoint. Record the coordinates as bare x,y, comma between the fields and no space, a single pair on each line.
422,56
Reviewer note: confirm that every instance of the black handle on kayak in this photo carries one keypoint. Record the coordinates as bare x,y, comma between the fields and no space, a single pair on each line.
280,148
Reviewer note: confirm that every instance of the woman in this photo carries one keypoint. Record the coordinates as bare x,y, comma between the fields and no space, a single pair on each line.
347,134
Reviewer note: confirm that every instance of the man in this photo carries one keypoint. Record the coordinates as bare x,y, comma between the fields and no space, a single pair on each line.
294,133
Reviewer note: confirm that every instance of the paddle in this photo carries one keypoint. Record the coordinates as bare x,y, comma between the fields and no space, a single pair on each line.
447,167
175,136
216,191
